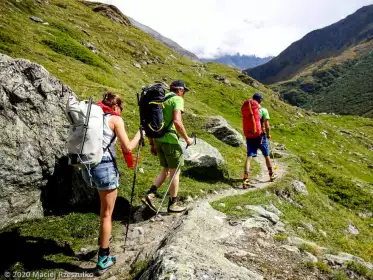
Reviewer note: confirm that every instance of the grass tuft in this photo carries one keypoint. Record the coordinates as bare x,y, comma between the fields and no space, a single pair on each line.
67,46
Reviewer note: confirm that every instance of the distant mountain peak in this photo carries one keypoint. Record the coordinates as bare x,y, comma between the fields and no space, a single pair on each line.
240,61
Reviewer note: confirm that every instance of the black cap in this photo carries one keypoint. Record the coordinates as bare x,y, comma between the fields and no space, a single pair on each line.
178,84
258,97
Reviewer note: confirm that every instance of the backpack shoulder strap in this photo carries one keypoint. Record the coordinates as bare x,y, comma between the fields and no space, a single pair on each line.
169,96
171,122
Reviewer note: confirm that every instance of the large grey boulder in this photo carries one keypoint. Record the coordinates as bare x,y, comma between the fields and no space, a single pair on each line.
203,161
32,143
218,126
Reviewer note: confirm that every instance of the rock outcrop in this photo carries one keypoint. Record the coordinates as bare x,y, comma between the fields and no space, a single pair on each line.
218,126
203,161
183,254
33,137
110,11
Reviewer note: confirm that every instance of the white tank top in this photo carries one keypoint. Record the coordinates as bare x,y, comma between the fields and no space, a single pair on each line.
108,136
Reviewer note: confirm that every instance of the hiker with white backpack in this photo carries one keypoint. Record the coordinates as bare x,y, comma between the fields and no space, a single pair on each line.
94,131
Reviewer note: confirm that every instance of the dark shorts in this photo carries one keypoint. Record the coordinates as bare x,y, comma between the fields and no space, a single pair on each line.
257,143
170,155
104,176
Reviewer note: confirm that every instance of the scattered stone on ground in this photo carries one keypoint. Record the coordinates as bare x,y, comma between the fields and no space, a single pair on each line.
273,209
291,248
263,213
300,187
309,227
91,47
323,233
352,229
36,19
342,258
137,65
311,257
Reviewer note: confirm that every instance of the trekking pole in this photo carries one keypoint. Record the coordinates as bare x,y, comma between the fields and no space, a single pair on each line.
173,177
273,156
141,143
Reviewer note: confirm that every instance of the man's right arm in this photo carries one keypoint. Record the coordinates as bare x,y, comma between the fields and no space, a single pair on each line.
267,128
180,126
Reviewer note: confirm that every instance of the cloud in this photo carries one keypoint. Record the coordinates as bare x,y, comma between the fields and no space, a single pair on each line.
212,27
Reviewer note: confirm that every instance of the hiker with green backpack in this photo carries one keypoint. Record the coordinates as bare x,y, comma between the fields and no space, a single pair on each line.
161,119
255,118
94,131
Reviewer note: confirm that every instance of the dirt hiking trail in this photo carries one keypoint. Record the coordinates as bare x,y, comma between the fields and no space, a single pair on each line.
203,228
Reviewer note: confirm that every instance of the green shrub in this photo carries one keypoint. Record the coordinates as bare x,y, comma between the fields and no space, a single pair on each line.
323,267
280,236
67,46
308,248
340,275
76,34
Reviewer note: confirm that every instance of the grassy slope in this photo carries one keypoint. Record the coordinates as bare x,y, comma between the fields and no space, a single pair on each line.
341,84
338,179
58,48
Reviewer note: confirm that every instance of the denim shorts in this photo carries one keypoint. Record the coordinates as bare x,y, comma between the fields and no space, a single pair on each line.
104,176
257,143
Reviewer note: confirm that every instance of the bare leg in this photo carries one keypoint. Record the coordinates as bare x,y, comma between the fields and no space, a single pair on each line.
268,162
247,163
161,177
175,183
107,199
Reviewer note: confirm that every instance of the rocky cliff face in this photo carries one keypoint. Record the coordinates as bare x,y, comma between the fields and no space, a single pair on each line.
32,143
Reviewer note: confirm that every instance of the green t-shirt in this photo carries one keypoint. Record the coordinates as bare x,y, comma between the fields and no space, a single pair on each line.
264,115
174,103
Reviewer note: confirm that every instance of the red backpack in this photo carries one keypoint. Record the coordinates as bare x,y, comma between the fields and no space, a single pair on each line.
251,119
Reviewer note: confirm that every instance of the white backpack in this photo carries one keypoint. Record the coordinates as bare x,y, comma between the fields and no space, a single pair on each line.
84,143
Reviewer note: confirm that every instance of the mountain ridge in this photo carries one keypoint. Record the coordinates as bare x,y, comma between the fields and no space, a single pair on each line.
316,45
168,42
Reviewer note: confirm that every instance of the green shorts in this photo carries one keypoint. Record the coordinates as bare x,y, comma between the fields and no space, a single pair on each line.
169,154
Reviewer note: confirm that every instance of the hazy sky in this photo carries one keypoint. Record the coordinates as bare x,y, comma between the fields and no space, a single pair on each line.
261,27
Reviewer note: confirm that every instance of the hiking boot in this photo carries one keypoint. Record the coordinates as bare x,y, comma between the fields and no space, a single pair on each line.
173,208
246,183
148,200
272,177
110,239
104,263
